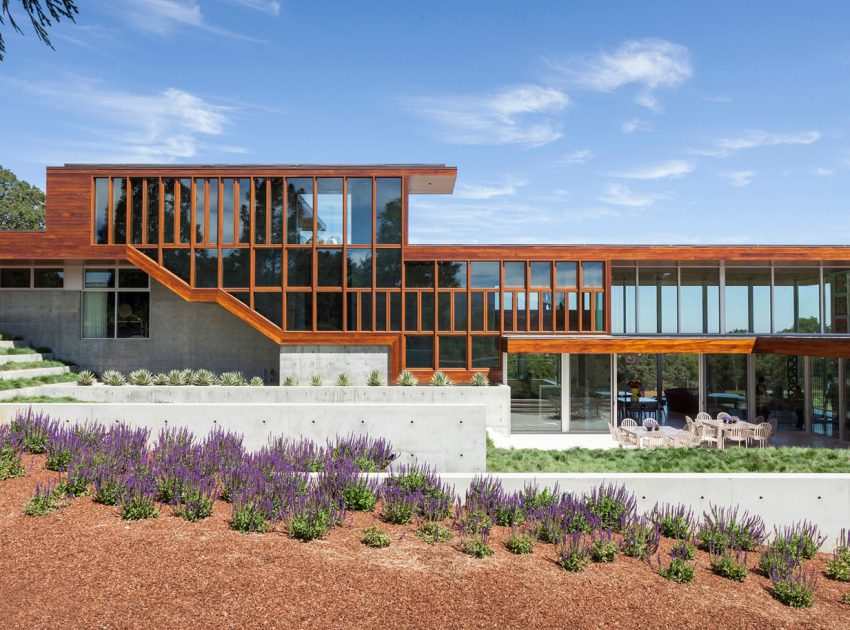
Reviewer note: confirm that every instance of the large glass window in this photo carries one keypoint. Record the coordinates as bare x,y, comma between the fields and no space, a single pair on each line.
185,210
277,211
484,275
700,296
137,188
780,390
121,312
590,392
592,275
299,210
541,274
388,210
657,301
227,210
388,268
623,305
244,229
452,351
329,311
660,386
101,210
485,352
359,268
726,385
535,382
835,283
299,311
451,275
825,412
747,300
359,221
177,261
270,306
119,209
515,274
566,275
419,275
236,268
329,267
260,210
796,300
419,351
11,278
212,237
206,268
168,210
199,210
153,211
329,201
299,267
48,278
268,267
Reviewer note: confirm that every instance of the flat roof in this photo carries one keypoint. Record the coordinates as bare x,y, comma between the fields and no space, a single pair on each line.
178,166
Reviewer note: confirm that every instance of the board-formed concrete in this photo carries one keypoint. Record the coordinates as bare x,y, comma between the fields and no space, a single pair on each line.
328,362
448,437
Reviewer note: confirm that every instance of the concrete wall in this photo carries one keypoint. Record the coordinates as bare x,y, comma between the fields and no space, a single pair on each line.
328,362
494,399
182,334
449,437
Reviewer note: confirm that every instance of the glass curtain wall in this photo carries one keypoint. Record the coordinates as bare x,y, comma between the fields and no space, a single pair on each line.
535,382
590,392
747,300
699,292
657,300
661,386
796,300
780,391
726,384
825,410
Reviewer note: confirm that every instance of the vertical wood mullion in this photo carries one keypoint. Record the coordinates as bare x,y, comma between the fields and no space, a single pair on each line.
144,211
193,192
128,206
314,260
206,209
110,237
220,230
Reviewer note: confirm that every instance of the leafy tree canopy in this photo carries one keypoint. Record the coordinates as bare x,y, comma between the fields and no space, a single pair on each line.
21,204
42,14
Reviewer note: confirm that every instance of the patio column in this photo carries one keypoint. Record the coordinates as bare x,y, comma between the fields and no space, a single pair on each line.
807,386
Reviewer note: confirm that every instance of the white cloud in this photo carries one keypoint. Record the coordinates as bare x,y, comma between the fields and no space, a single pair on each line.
580,156
519,114
165,16
165,126
823,172
739,179
622,195
637,124
483,191
718,98
755,138
266,6
667,170
648,63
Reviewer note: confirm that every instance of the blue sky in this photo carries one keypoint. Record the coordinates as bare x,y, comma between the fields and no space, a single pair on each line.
569,122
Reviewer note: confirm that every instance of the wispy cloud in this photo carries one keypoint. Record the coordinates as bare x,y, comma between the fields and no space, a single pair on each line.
485,191
649,64
266,6
580,156
163,126
521,114
718,98
637,124
755,138
622,195
165,16
823,172
739,179
666,170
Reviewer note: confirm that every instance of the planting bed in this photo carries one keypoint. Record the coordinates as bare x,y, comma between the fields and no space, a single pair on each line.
84,565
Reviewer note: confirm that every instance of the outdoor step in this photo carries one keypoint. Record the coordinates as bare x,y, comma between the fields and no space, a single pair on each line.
5,343
21,358
8,375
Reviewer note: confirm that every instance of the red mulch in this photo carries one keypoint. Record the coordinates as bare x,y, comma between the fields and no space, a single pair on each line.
84,567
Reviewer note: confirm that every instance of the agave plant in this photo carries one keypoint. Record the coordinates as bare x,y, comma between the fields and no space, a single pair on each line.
290,381
141,377
315,380
177,378
441,379
203,378
113,378
231,379
256,381
407,379
160,379
375,379
86,378
343,380
479,380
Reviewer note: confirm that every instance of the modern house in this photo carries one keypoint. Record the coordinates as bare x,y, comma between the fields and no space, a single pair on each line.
294,270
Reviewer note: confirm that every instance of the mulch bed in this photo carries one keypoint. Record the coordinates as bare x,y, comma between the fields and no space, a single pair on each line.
82,566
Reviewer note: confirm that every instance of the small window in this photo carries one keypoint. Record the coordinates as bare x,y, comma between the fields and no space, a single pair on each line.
329,267
15,278
484,275
419,275
453,352
49,278
270,306
177,262
299,272
132,279
236,267
451,275
419,351
268,269
541,274
591,275
388,268
566,274
98,314
100,279
485,352
206,268
388,210
329,311
299,311
515,274
133,314
359,268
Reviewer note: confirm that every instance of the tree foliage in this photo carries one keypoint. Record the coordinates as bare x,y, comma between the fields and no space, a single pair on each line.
21,204
41,17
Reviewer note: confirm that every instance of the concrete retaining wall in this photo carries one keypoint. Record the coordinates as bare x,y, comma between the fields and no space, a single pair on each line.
495,399
449,437
328,362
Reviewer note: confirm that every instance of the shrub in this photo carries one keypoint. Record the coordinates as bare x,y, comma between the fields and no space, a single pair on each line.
195,501
477,547
603,547
510,511
137,498
375,379
246,516
520,543
256,381
845,599
10,457
311,517
684,549
674,521
32,431
86,378
722,527
231,379
359,496
441,379
141,377
729,563
573,553
374,537
795,589
640,538
316,380
343,380
568,516
399,505
60,449
776,561
612,505
113,378
289,381
203,378
479,380
44,501
106,488
432,532
407,379
839,567
802,540
678,571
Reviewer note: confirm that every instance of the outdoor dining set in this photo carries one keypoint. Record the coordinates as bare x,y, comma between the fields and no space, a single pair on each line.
704,430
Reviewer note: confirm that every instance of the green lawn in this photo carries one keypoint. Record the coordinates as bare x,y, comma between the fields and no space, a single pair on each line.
798,460
29,365
41,399
18,383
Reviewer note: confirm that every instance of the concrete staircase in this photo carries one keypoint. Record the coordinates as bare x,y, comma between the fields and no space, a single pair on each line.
30,359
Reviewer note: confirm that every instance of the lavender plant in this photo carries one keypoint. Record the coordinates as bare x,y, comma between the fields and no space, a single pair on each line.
519,543
723,527
603,546
795,587
433,532
573,553
249,514
10,455
310,517
640,538
674,521
729,563
137,497
802,540
613,505
684,549
374,537
838,568
678,570
775,561
44,501
32,430
398,504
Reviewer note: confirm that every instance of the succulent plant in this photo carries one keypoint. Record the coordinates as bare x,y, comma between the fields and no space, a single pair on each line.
231,379
141,377
160,379
289,381
112,378
204,378
86,378
178,378
256,381
343,380
375,379
479,380
315,380
407,379
441,379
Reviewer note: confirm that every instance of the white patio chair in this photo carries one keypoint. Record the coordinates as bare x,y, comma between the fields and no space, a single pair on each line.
684,439
706,433
703,416
737,433
625,439
723,416
761,434
654,441
628,422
